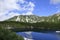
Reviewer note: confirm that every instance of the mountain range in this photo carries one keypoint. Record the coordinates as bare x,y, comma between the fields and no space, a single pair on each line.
34,18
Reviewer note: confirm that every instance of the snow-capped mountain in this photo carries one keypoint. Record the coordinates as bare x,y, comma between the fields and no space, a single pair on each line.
34,18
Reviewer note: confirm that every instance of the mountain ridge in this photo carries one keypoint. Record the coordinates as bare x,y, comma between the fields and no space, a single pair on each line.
34,18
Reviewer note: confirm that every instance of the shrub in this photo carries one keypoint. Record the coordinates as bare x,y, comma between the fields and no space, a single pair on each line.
9,35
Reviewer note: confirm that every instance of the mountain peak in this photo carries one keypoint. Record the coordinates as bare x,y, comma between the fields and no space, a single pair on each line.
34,18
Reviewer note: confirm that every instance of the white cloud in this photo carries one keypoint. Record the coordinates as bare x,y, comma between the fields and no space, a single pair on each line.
5,17
57,4
29,8
28,13
54,1
7,6
22,1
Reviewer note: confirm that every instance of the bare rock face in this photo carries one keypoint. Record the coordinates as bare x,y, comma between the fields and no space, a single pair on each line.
34,18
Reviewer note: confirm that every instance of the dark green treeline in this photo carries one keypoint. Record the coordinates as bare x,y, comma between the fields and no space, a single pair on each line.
24,26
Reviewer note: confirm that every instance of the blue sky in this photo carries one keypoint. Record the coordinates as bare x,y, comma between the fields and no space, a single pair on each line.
11,8
45,7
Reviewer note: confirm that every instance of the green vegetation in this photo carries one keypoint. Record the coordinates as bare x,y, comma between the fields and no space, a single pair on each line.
34,18
33,22
24,26
6,34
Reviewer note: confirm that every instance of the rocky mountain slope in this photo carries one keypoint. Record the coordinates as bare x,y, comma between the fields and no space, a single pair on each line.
34,18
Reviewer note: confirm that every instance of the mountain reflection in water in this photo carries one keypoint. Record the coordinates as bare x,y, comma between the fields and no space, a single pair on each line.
40,35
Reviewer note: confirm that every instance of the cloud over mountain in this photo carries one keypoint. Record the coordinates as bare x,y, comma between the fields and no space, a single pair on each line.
10,8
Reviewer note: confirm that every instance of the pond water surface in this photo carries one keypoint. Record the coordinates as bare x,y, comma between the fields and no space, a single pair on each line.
40,35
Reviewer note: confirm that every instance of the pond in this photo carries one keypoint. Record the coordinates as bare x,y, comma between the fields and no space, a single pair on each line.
39,35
